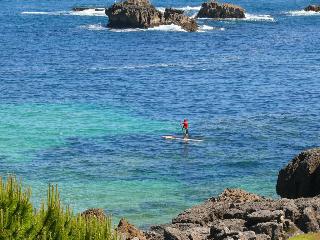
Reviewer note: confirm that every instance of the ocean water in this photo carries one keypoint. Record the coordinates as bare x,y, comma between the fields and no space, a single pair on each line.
84,107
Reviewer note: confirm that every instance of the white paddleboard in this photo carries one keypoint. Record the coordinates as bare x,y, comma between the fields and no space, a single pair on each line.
170,137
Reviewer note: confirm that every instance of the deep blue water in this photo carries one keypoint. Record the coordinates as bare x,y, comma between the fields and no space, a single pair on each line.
85,107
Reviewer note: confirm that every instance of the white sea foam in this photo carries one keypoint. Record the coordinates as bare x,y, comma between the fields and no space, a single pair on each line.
99,12
253,17
189,8
90,12
302,13
248,17
46,13
94,27
164,28
168,28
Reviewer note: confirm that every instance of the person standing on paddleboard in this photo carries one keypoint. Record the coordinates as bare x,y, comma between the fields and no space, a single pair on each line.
185,128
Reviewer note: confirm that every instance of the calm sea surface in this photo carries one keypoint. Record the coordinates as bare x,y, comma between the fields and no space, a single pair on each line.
85,107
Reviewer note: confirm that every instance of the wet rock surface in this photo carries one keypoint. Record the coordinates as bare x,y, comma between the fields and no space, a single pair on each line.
141,14
301,177
315,8
236,214
213,9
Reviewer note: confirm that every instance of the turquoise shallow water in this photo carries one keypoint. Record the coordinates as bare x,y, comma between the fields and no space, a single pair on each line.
85,107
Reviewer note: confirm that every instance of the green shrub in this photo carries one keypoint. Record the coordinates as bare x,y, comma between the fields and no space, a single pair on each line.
18,219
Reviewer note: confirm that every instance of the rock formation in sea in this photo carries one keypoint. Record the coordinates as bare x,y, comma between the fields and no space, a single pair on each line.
315,8
213,9
301,177
141,14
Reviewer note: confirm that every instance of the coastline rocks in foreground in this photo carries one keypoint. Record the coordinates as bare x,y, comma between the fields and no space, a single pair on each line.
236,214
315,8
301,177
128,231
141,14
213,9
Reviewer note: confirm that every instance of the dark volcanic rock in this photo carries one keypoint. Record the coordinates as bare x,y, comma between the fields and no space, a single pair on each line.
141,14
177,17
215,10
134,14
301,177
314,8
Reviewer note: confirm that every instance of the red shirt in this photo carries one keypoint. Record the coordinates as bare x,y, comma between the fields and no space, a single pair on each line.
185,124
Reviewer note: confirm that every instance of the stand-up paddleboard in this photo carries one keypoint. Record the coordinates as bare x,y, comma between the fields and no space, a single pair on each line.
170,137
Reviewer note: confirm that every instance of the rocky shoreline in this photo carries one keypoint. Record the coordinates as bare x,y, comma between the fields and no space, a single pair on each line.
238,215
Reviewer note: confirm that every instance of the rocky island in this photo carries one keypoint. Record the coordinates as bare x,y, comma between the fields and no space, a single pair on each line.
141,14
213,9
314,8
238,215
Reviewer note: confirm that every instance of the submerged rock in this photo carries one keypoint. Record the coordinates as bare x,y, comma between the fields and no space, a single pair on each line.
141,14
301,177
315,8
213,9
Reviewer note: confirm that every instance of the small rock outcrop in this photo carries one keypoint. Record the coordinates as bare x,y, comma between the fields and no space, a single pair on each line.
314,8
128,231
301,177
237,214
213,9
177,17
94,212
141,14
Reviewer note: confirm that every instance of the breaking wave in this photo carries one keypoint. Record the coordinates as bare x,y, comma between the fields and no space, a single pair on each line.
98,12
302,13
95,27
248,17
253,17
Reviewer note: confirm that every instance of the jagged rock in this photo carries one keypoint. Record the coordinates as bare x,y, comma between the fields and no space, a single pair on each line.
237,196
315,8
301,177
94,212
265,216
133,14
171,233
141,14
213,9
177,17
128,231
236,214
